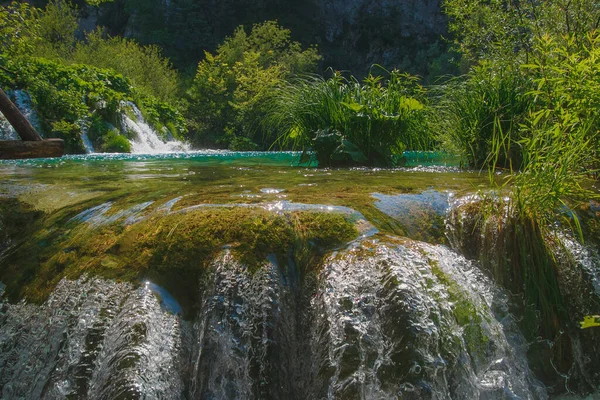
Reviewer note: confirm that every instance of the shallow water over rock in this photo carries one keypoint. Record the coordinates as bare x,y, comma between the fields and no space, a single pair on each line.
105,299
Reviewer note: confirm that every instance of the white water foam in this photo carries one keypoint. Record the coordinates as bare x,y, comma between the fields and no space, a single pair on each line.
7,132
146,140
23,103
87,143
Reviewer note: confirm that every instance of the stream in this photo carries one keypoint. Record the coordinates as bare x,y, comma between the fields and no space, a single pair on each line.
384,300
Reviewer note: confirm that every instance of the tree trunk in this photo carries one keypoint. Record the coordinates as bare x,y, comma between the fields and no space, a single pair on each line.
16,149
25,130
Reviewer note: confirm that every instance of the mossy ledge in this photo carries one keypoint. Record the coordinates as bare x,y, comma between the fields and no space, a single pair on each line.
173,250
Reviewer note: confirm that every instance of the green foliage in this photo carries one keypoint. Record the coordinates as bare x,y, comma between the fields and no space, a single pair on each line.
19,28
70,82
70,93
473,111
232,88
164,117
57,27
529,104
69,132
346,121
561,135
113,142
507,29
26,30
148,71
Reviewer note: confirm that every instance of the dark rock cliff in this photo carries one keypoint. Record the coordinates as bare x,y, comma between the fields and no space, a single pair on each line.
351,34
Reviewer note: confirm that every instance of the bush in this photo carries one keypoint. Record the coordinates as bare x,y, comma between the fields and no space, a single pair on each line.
480,114
147,70
114,142
71,134
231,88
346,121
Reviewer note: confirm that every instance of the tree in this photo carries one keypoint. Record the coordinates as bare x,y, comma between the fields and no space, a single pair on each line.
500,29
231,87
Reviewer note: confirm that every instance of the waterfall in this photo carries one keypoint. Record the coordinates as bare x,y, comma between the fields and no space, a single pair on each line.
145,140
575,272
91,339
23,103
383,320
416,321
7,132
87,143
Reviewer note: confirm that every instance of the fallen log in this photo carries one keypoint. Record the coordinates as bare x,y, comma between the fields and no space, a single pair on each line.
23,127
17,149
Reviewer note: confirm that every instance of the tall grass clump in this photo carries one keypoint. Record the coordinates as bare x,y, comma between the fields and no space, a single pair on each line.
558,138
479,115
346,121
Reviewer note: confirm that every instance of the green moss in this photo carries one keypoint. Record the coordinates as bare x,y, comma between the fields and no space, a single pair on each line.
174,249
465,313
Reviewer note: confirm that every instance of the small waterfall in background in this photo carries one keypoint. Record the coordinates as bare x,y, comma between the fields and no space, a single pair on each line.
23,103
7,132
87,143
146,140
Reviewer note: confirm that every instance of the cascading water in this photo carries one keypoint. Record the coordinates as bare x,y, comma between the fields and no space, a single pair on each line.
87,143
92,339
380,317
145,140
23,103
561,359
387,327
391,319
7,132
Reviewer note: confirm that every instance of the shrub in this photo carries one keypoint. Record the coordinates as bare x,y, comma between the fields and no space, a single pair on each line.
231,88
346,121
114,142
71,134
474,111
147,70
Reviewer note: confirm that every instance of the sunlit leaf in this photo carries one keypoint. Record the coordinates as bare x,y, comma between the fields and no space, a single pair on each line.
590,321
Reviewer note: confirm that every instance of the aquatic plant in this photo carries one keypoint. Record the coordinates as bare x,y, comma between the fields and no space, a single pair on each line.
345,121
479,115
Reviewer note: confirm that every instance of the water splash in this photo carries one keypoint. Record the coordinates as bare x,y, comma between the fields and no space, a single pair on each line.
23,103
91,339
7,132
388,328
378,323
87,143
146,140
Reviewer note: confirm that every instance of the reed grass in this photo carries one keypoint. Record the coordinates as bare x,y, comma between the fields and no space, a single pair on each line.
374,121
473,109
558,140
